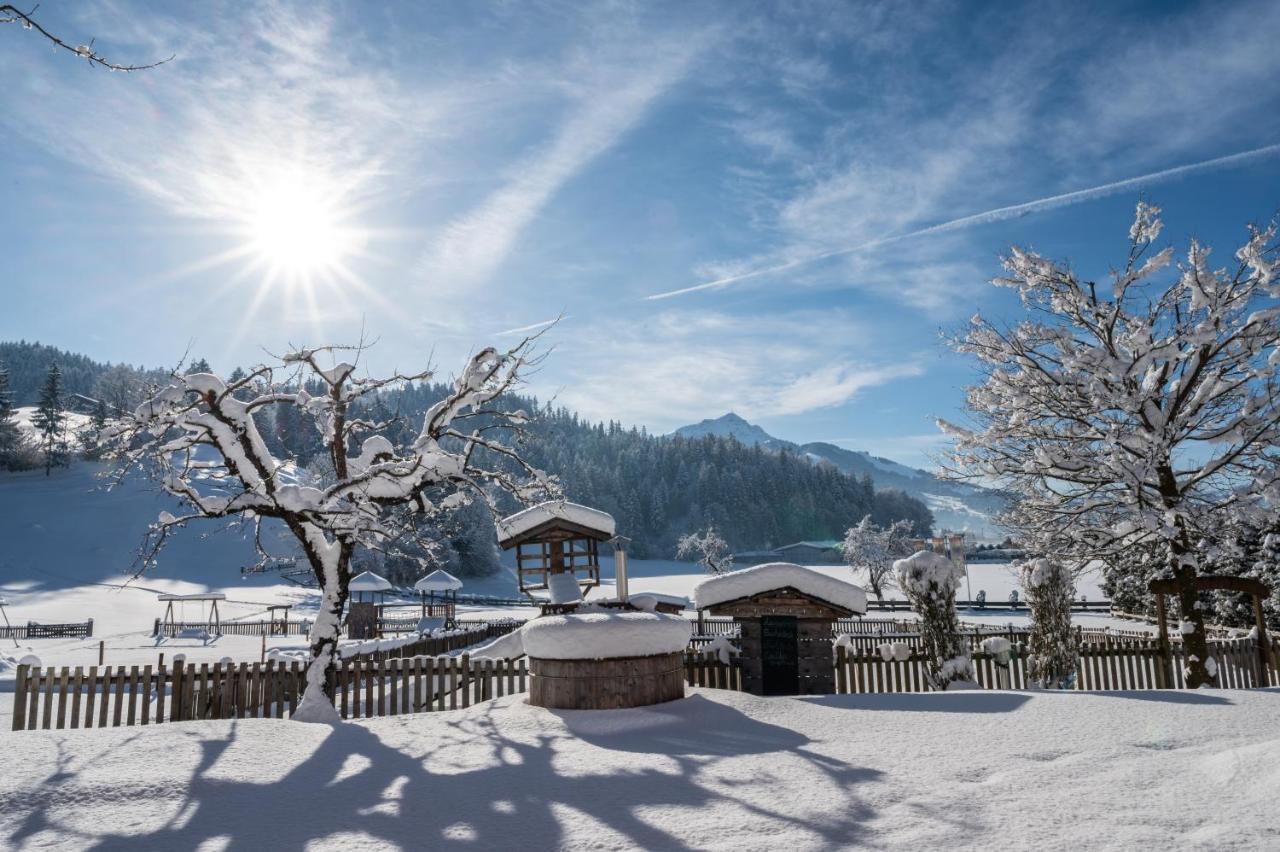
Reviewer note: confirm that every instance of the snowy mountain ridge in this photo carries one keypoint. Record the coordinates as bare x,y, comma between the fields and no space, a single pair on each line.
955,505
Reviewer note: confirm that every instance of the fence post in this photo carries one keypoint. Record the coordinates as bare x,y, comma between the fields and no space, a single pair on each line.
155,628
20,698
89,635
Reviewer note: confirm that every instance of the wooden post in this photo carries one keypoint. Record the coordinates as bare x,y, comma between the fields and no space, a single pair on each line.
1263,660
102,650
1166,661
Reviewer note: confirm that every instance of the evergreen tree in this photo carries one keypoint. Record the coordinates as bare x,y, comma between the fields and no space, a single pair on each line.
199,366
51,423
10,437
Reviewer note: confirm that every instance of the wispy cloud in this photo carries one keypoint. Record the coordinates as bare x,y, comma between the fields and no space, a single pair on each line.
678,365
986,217
613,100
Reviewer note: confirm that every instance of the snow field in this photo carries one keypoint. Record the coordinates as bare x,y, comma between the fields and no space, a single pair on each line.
715,770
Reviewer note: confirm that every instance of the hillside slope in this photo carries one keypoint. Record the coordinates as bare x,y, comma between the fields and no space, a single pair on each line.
955,505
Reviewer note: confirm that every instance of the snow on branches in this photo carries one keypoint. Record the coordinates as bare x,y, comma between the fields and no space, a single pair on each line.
1123,416
10,14
1053,655
873,549
929,580
201,435
708,548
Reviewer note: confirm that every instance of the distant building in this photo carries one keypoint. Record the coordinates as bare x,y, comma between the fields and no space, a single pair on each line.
801,552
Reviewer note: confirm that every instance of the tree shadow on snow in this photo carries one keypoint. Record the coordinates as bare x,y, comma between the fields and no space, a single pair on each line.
969,701
493,780
1164,696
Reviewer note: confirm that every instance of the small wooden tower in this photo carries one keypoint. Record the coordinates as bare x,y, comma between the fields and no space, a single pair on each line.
786,614
362,615
555,538
439,592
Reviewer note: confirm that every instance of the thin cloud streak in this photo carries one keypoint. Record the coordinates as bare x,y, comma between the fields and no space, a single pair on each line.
989,216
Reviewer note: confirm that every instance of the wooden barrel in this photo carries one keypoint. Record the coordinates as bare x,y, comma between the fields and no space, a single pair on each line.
606,684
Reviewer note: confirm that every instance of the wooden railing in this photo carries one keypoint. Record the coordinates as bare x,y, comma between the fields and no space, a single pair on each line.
708,670
34,630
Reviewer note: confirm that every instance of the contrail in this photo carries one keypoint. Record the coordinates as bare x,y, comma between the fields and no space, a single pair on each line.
996,215
531,327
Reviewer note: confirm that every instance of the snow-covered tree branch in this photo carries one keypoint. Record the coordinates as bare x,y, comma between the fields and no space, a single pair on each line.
873,549
10,14
708,548
201,433
1125,414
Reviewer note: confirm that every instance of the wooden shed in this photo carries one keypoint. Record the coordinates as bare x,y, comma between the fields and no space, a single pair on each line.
786,615
556,537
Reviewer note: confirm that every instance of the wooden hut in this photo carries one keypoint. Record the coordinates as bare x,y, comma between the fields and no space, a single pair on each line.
786,615
553,539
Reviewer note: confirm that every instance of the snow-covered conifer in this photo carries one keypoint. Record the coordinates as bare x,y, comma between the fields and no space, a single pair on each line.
51,423
1053,656
211,455
1127,412
10,436
929,580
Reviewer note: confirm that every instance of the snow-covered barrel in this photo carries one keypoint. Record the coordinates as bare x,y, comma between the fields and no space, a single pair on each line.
605,660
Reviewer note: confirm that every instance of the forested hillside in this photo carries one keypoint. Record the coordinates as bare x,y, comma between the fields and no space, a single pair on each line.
658,487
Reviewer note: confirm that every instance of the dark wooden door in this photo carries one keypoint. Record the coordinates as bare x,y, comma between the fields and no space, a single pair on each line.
780,652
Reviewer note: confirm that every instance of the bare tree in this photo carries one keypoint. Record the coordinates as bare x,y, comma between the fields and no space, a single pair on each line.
1124,415
201,433
10,14
873,549
708,548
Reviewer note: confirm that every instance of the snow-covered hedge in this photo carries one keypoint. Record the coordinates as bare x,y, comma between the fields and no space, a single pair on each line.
777,575
929,581
603,634
1053,655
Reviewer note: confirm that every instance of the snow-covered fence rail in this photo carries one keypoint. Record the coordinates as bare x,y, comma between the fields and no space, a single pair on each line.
1108,665
34,630
470,634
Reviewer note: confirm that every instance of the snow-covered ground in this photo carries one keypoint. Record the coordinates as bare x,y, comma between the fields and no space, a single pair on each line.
715,770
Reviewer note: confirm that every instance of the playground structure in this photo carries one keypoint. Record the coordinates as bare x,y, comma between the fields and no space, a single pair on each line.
439,592
1208,583
367,591
176,626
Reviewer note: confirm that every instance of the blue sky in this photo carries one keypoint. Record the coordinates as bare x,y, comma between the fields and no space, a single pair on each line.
462,170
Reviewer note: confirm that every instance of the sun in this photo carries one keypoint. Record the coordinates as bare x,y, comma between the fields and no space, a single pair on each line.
296,226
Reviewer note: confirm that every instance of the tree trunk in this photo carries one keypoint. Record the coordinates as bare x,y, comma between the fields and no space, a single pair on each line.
1198,670
332,568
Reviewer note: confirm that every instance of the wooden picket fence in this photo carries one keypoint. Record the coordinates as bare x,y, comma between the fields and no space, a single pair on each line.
263,627
1113,664
116,696
33,630
708,670
146,695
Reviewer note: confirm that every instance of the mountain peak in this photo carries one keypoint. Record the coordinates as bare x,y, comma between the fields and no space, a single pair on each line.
731,425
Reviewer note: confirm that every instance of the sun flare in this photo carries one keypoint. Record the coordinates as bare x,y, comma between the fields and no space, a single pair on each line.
297,228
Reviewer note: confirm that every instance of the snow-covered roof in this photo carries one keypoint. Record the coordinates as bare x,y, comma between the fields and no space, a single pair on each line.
645,600
778,575
199,596
367,581
604,634
534,516
438,581
816,545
